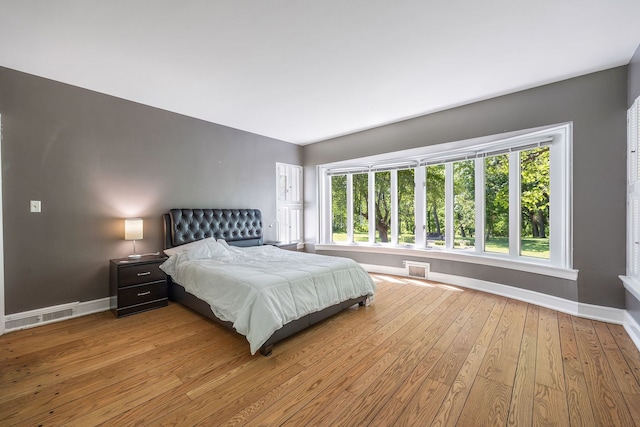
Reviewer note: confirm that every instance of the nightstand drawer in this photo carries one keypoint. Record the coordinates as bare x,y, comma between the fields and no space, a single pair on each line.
139,273
142,293
141,307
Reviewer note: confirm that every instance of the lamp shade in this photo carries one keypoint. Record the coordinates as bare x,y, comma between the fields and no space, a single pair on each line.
133,229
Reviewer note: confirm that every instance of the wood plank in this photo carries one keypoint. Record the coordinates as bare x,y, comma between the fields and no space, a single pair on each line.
458,393
521,408
491,324
624,374
579,405
424,405
500,362
447,368
633,404
411,372
549,355
314,411
420,355
487,404
550,407
309,384
628,349
607,400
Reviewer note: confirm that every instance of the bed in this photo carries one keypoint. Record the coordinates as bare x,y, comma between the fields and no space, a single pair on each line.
220,268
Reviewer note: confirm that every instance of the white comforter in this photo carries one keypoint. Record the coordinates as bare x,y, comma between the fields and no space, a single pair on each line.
259,289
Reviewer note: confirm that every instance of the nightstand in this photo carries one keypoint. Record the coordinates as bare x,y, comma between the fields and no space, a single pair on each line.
137,285
282,245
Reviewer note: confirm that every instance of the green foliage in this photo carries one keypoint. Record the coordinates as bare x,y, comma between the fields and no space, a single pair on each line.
406,206
382,184
535,183
534,194
496,196
339,204
464,188
435,199
361,203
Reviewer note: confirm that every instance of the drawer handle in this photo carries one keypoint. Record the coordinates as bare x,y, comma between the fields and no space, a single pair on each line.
141,294
146,273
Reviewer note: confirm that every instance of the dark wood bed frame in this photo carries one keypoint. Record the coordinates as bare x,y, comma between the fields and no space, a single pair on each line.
239,227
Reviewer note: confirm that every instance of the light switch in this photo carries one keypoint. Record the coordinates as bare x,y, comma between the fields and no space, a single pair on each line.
36,206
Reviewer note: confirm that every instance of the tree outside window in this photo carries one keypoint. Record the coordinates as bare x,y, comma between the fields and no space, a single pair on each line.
383,206
464,217
339,208
361,207
496,229
534,200
511,203
406,206
434,187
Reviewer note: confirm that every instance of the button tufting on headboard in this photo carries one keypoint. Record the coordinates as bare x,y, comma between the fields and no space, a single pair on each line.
242,226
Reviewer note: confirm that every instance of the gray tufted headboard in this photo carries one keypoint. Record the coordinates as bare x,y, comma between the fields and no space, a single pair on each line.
240,227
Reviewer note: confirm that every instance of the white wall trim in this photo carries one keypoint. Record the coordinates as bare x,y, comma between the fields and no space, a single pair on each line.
78,308
455,255
589,311
631,285
2,297
594,312
633,329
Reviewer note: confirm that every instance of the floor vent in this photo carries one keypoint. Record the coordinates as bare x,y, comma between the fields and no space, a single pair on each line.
37,317
419,270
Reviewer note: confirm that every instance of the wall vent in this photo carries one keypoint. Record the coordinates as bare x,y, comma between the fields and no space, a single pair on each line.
57,315
22,323
419,270
39,317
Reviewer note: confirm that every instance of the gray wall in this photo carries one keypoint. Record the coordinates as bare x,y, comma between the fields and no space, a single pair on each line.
596,104
633,305
634,77
92,160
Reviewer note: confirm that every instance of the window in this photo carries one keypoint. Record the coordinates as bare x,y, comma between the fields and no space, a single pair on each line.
339,208
464,223
288,203
534,202
488,199
435,205
496,218
382,204
406,229
361,207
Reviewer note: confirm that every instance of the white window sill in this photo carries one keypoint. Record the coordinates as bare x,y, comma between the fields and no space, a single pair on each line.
632,285
458,256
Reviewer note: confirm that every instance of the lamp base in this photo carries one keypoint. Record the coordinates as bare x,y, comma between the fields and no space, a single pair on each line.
135,256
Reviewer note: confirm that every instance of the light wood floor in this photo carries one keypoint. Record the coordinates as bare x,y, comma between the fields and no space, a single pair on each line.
422,354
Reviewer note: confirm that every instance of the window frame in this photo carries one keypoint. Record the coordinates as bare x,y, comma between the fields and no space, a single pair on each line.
559,140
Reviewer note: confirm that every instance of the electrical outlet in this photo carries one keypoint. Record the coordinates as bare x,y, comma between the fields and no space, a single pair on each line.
35,206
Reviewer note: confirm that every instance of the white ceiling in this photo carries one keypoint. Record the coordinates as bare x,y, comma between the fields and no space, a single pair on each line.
308,70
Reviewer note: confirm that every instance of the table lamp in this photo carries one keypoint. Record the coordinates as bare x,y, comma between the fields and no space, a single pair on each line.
133,231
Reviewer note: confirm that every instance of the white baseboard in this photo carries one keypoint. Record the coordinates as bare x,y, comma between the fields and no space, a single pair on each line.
383,269
588,311
633,329
57,313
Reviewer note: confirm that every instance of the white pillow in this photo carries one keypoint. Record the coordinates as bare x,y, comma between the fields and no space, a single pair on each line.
198,252
217,249
189,246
